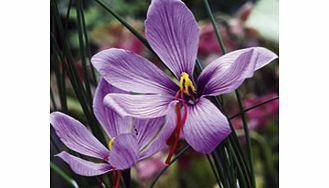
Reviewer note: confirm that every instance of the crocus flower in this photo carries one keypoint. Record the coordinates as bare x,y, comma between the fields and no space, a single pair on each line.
131,139
173,34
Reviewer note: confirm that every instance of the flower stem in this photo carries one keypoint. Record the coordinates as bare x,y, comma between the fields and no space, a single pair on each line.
214,171
255,106
126,175
212,20
246,130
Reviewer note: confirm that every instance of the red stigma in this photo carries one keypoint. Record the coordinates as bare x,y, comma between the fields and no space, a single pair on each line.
174,137
116,178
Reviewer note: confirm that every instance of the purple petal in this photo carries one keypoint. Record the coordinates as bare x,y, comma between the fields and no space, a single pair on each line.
124,153
146,129
111,122
83,167
76,136
205,126
139,106
159,142
229,71
131,72
173,34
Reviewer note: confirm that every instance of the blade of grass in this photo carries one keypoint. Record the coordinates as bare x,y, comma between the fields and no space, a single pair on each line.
241,168
229,165
52,99
246,130
67,55
255,106
82,50
73,75
214,171
85,34
59,76
232,164
54,143
224,161
68,15
212,20
90,118
63,90
62,174
220,170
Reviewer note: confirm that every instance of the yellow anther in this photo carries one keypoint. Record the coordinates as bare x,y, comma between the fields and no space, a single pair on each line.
111,143
185,83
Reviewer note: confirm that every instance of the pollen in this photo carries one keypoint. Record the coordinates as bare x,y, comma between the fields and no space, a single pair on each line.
111,143
185,83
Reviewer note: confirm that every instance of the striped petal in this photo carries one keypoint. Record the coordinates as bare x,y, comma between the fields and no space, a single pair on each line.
132,73
124,152
228,72
173,34
205,126
83,167
159,141
110,120
139,106
76,136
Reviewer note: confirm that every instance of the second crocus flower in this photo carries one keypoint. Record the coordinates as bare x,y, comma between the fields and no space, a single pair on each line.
130,139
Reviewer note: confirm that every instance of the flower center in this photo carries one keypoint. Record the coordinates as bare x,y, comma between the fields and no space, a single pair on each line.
185,83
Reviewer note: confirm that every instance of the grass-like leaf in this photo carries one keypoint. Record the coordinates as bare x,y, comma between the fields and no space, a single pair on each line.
238,96
82,50
62,174
73,74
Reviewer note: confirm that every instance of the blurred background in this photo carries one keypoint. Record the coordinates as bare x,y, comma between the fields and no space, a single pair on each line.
241,23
